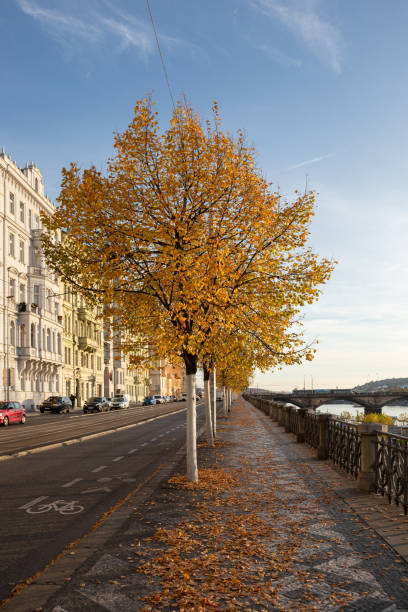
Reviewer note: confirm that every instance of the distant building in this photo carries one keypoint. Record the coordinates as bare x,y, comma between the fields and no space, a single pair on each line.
30,304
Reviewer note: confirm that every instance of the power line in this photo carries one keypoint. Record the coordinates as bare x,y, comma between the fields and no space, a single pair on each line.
161,55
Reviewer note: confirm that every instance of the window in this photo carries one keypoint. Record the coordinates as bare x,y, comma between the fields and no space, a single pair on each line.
48,340
22,212
22,293
30,219
22,250
36,184
11,244
32,335
12,203
12,287
12,334
22,335
36,221
99,363
53,342
36,297
92,362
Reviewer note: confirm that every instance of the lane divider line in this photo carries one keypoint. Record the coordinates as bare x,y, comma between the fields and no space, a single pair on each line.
117,458
69,484
98,469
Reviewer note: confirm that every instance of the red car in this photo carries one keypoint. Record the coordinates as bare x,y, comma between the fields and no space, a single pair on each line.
12,412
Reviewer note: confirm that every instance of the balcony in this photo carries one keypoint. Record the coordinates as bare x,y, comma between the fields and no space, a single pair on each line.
87,344
27,351
82,314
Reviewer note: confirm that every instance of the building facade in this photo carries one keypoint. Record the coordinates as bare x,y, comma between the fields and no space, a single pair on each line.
165,379
30,305
83,348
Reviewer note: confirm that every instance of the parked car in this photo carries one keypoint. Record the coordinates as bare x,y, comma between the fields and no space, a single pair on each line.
56,403
12,412
109,400
149,401
159,399
183,397
120,401
96,404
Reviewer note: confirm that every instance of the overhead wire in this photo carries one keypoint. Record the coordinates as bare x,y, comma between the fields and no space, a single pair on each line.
166,76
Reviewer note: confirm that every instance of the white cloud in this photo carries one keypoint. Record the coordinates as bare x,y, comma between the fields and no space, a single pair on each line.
310,161
84,24
302,18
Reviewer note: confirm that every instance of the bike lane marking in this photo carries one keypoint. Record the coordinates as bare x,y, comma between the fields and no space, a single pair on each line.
69,484
118,458
100,468
132,451
33,502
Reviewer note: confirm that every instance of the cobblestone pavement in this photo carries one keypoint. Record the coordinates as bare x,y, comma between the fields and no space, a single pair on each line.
280,538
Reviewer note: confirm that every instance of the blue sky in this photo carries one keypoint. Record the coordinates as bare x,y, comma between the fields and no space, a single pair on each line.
320,88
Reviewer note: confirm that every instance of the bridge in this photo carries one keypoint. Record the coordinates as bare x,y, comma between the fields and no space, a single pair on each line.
371,401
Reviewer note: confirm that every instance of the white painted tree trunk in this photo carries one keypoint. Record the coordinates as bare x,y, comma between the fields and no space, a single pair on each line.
208,419
229,399
214,400
192,471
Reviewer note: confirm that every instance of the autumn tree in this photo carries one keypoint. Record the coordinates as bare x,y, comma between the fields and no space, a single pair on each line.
186,242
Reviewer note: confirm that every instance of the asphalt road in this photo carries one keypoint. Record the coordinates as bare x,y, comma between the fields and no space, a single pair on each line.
49,499
42,429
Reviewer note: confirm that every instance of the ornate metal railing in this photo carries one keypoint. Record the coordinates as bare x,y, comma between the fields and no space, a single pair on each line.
344,446
312,429
391,468
293,420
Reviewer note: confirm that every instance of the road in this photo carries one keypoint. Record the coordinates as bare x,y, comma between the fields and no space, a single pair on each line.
50,499
42,429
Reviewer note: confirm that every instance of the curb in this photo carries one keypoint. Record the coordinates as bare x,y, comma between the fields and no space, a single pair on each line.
40,449
38,589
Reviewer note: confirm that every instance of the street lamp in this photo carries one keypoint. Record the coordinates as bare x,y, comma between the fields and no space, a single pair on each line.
77,373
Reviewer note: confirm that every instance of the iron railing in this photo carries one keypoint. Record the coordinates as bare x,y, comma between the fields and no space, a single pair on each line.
344,446
391,468
312,429
293,420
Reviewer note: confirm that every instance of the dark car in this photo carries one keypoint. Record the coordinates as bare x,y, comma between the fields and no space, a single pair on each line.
56,403
12,412
97,404
149,401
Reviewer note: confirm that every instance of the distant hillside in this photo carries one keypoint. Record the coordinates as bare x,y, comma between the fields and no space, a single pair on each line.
385,384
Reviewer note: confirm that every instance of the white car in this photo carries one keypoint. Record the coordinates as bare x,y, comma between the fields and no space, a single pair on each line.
159,399
120,401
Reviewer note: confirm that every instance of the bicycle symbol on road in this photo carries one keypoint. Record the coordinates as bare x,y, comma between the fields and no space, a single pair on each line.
59,505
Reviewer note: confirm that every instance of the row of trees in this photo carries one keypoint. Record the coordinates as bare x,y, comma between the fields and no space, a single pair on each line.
191,250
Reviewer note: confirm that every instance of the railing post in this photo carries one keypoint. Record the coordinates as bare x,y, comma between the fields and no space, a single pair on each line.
281,415
323,448
366,476
270,408
287,418
300,436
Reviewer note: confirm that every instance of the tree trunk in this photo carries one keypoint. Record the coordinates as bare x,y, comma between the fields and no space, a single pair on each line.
224,400
191,433
214,401
208,419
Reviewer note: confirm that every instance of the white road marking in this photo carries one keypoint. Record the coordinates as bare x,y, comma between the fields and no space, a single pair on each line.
118,458
33,502
153,440
102,489
99,469
104,479
132,451
144,444
69,484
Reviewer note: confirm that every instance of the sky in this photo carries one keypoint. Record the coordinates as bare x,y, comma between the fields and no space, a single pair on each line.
319,88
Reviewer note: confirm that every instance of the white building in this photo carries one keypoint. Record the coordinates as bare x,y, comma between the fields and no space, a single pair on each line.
30,302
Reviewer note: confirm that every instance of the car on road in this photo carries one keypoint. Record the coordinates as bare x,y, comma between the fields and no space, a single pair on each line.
183,397
159,399
12,412
56,403
96,404
149,401
120,401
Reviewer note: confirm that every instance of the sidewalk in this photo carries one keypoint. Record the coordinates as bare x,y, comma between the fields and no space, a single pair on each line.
264,530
